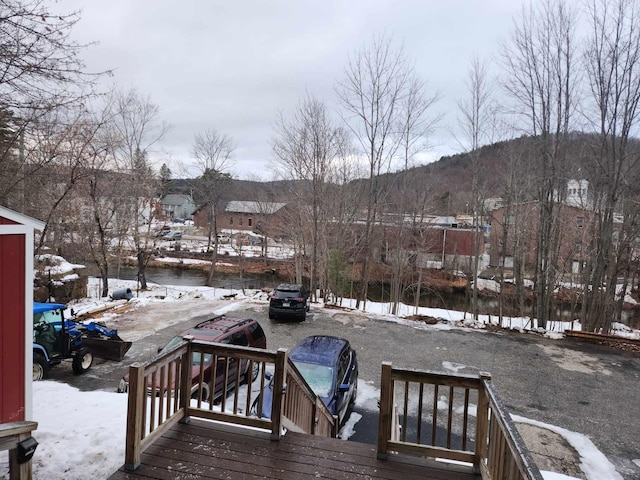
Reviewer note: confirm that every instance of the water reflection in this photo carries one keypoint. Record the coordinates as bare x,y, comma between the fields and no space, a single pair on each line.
196,278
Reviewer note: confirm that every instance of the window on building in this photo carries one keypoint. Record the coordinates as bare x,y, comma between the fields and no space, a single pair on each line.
240,221
580,222
230,220
250,222
578,247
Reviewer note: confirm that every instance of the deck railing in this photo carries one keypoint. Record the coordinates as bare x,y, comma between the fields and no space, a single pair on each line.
12,435
165,391
454,417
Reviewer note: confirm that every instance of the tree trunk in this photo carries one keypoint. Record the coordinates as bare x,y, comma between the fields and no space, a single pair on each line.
142,265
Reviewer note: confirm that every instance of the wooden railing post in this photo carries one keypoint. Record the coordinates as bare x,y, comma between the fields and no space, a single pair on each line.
135,411
482,423
335,426
279,389
185,381
386,409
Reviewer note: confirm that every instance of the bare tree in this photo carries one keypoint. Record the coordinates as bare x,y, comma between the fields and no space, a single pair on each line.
99,209
39,61
540,64
518,182
305,148
375,83
137,127
213,152
40,72
343,205
415,124
612,61
59,149
477,123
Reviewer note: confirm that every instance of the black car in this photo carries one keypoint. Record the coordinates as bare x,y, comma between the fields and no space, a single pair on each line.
291,300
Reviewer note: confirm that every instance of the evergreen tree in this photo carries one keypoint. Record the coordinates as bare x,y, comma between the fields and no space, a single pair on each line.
165,180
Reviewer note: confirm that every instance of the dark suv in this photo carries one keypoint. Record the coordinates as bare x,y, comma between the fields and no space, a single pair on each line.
289,300
222,329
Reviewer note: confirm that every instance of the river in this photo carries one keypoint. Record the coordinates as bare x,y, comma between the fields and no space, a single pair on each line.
449,301
194,278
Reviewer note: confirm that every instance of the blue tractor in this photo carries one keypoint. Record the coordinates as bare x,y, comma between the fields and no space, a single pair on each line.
56,338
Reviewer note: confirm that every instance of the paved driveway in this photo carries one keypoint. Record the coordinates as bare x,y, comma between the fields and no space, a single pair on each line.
580,387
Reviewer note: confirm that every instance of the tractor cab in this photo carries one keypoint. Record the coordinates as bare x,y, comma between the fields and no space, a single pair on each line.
51,331
56,338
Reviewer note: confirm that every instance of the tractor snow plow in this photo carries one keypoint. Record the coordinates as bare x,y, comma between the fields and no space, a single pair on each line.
56,338
103,342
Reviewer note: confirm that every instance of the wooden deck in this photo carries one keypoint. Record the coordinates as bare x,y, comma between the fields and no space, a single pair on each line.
201,449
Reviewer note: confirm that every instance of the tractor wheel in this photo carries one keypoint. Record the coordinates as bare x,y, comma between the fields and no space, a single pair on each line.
82,361
40,367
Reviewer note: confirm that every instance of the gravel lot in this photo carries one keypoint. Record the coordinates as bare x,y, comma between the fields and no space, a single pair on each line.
581,387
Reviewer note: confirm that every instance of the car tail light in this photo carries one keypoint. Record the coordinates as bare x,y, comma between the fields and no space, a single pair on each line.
299,299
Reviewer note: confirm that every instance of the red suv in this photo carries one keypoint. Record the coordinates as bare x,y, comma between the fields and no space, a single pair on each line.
222,329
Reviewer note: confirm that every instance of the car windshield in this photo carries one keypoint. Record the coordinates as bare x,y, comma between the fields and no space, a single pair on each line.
172,343
195,359
319,377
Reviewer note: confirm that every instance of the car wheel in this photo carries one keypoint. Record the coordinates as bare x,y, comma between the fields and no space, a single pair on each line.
303,317
255,371
82,361
196,392
253,374
40,367
271,316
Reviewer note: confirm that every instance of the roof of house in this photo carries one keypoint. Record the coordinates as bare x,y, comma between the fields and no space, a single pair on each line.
21,218
176,199
268,208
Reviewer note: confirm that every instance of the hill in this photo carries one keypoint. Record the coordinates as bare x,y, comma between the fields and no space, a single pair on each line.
446,183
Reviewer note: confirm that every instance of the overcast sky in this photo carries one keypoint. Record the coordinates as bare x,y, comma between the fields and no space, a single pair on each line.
232,66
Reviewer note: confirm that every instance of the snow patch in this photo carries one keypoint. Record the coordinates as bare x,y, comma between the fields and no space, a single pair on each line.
592,462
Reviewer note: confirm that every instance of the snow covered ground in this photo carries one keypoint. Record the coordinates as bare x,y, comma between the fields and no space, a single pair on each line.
94,447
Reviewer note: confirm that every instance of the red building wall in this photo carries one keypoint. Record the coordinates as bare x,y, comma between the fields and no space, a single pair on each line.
12,326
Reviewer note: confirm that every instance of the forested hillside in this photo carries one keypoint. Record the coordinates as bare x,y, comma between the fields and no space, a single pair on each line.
447,181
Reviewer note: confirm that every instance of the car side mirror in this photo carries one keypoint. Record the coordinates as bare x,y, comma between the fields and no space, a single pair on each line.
268,375
344,388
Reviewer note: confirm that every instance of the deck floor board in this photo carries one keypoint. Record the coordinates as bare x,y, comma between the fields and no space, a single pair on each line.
199,451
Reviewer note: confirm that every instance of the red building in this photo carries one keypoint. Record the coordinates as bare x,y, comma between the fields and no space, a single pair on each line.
514,231
259,217
16,314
